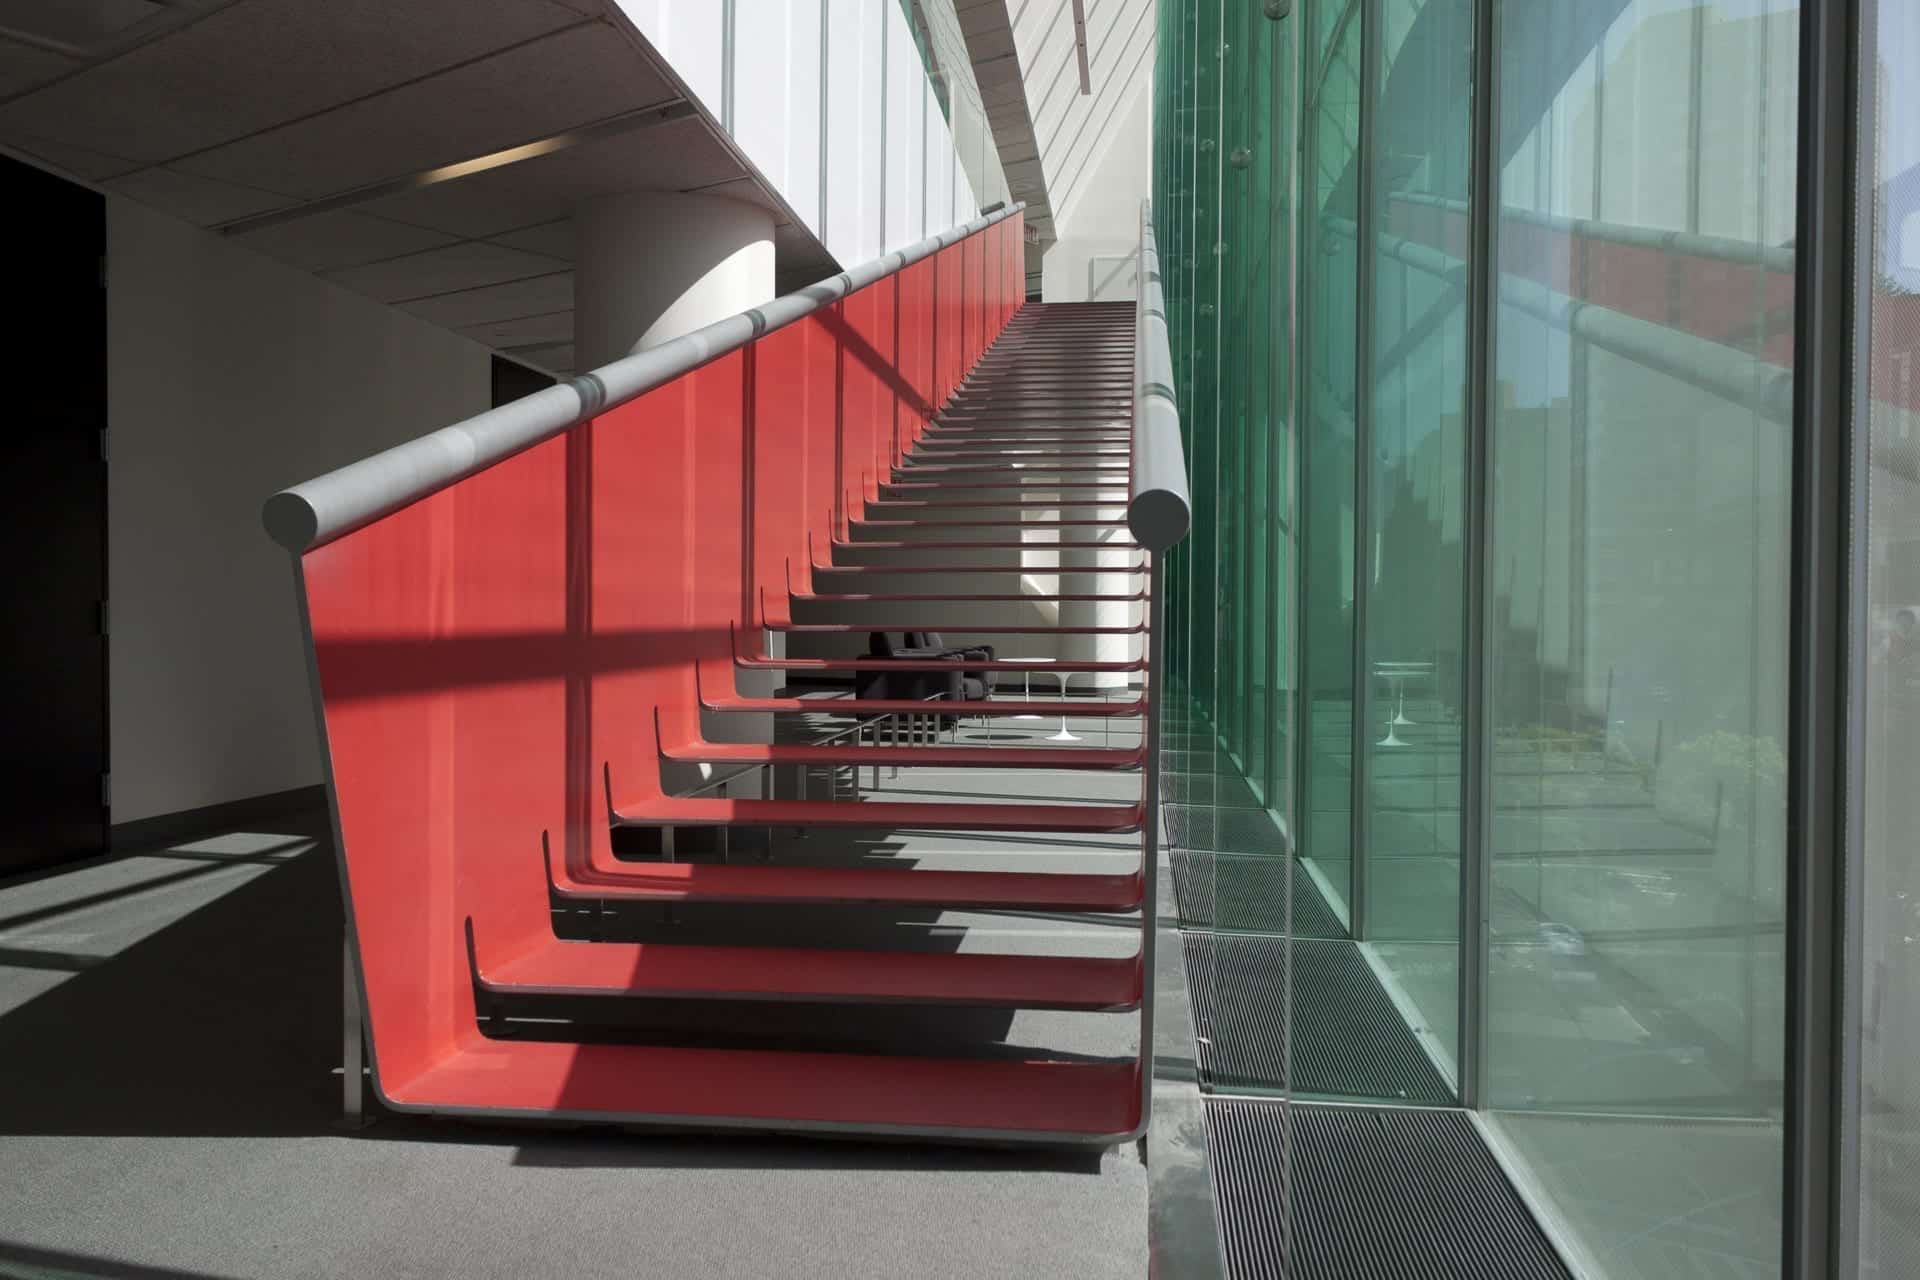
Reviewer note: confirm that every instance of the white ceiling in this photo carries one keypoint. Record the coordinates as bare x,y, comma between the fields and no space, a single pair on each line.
316,124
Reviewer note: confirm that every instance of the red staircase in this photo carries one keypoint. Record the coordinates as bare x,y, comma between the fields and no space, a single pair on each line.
517,664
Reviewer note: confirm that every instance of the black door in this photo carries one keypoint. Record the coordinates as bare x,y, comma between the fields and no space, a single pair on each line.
53,533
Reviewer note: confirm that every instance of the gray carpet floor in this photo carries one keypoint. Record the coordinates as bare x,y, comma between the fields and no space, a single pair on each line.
169,1043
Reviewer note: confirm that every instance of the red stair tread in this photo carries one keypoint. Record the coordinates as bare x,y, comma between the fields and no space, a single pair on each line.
938,756
902,706
929,544
967,438
917,570
976,469
886,597
677,882
1075,522
1020,480
1022,455
986,504
691,811
1096,1102
977,629
764,660
665,970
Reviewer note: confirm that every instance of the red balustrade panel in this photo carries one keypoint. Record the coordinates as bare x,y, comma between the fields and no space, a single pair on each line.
489,655
444,654
916,348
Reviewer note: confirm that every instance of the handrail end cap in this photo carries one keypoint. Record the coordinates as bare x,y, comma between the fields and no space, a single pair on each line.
291,520
1158,519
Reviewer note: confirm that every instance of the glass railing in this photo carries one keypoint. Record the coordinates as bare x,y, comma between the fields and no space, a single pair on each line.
949,67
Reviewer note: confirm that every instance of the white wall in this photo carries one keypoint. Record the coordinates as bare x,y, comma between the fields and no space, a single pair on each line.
854,32
1101,217
230,376
1095,148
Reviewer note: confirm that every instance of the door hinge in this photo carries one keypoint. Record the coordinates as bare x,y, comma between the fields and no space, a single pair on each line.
106,444
106,791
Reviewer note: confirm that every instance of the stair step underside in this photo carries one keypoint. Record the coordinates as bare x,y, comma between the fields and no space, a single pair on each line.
717,811
705,882
916,756
651,970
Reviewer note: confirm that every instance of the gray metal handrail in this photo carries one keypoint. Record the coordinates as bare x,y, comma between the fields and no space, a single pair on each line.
1159,511
337,503
1159,508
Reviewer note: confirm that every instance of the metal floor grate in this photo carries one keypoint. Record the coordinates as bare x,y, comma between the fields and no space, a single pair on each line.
1378,1192
1248,892
1349,1039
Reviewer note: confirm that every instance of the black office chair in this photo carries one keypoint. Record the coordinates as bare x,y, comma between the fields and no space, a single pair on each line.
915,686
980,683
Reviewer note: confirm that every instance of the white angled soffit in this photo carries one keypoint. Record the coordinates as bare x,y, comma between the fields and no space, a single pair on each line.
1081,80
428,154
1059,78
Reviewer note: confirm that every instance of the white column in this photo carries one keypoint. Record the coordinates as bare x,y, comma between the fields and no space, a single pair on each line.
1111,554
652,265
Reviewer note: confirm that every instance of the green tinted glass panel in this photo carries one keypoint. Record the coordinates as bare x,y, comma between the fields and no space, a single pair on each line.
1414,399
1637,637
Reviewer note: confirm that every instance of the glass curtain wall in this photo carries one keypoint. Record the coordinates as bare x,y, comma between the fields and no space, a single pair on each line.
1886,1027
1314,173
1412,399
1637,659
1223,216
1329,285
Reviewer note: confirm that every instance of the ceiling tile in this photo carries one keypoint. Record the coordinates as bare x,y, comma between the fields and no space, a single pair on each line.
527,331
342,238
486,106
23,66
460,266
258,63
539,295
554,359
998,72
198,200
745,188
987,43
669,157
555,239
88,166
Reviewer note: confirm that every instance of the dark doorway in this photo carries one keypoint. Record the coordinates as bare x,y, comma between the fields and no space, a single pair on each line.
53,548
511,380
